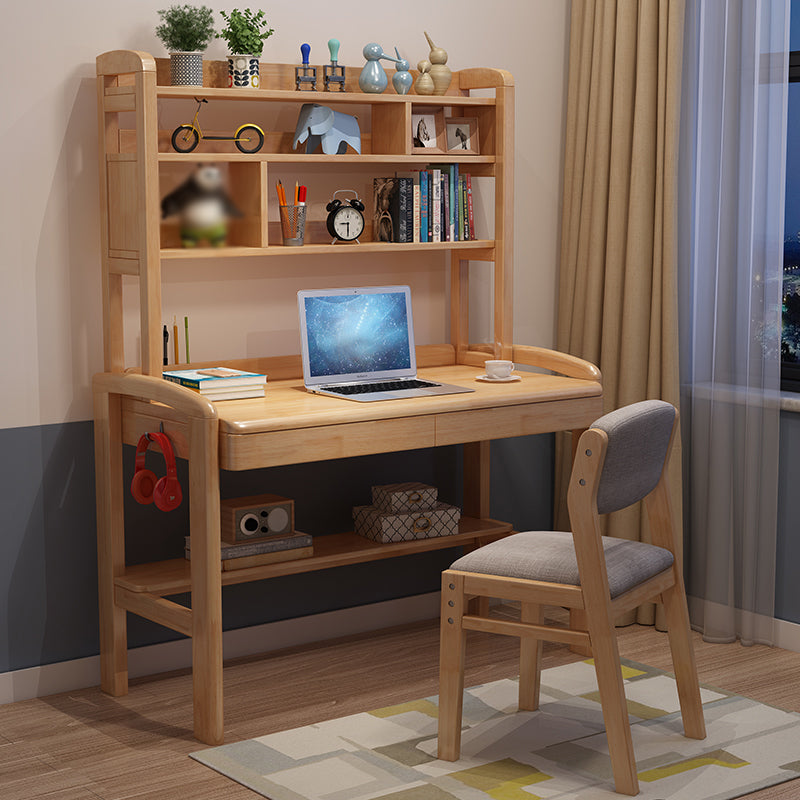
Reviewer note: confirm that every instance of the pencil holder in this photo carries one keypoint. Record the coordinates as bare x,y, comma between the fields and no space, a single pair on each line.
293,225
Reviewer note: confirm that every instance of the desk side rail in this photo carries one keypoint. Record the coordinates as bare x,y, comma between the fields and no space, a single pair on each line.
203,621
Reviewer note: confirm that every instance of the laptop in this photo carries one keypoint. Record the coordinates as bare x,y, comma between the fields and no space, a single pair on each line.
359,344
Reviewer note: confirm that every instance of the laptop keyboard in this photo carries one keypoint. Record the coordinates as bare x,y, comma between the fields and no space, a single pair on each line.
383,386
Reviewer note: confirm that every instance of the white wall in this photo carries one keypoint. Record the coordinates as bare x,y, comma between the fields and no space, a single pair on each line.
50,325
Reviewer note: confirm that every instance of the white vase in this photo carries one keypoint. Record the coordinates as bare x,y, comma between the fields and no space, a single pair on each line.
186,69
243,72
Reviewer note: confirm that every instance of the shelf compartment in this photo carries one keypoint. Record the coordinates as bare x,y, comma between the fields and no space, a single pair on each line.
335,550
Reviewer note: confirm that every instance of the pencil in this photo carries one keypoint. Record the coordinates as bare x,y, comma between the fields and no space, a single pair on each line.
186,326
175,338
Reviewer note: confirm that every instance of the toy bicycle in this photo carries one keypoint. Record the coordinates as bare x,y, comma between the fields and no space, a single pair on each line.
248,138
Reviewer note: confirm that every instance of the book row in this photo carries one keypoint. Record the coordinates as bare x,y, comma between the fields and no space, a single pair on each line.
429,205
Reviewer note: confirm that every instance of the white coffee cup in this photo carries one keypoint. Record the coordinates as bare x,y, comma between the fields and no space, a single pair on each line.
499,368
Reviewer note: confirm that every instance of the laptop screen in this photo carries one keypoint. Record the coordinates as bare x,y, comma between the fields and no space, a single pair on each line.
356,334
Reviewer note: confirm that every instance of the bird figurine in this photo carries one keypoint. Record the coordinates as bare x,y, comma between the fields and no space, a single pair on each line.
202,206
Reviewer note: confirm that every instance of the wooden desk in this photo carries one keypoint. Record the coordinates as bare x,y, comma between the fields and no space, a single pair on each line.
288,426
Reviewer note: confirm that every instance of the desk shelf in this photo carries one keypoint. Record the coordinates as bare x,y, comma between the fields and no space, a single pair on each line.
165,578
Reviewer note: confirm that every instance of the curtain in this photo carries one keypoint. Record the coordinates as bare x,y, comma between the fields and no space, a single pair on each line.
617,304
731,191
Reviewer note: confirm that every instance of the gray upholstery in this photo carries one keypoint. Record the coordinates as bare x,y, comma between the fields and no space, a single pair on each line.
638,438
550,556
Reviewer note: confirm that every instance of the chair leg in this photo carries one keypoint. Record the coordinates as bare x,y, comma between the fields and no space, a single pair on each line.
683,661
612,698
451,666
530,655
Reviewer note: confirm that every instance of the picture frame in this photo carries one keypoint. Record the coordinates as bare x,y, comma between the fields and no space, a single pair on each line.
427,131
461,135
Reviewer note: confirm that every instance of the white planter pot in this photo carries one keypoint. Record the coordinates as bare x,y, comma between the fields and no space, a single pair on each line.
243,72
186,69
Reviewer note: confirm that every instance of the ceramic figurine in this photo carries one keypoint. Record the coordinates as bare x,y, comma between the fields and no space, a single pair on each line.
401,80
440,72
373,76
424,84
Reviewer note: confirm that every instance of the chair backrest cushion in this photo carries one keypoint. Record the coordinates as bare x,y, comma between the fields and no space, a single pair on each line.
638,439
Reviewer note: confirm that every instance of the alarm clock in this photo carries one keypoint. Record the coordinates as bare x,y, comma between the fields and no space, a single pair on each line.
345,219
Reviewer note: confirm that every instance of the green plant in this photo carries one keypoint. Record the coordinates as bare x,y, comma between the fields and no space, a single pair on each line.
186,28
245,31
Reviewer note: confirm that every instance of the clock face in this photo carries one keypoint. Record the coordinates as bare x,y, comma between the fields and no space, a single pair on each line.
348,223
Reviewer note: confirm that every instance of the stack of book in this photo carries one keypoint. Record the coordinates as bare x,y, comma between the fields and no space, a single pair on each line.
219,383
264,551
428,205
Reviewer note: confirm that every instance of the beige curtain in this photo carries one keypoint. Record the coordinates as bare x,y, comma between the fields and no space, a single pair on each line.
617,304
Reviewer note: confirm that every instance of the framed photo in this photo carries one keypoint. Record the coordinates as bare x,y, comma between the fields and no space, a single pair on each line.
427,131
461,135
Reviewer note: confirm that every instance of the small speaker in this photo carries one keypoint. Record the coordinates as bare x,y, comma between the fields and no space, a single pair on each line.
246,519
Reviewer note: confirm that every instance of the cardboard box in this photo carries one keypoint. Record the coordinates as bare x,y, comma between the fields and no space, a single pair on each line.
382,526
396,497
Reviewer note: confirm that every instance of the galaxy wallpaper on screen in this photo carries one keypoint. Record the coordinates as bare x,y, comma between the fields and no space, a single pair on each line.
359,333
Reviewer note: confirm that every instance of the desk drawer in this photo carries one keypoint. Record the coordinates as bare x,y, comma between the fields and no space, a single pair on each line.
300,445
503,422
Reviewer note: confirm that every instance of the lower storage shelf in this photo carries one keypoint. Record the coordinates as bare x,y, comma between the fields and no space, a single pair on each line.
174,577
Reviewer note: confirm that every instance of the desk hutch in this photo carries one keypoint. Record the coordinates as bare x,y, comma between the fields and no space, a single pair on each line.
288,425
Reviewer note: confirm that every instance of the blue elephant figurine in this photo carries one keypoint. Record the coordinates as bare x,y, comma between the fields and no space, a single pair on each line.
320,125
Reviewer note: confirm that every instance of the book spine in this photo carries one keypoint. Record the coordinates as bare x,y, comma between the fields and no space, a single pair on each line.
423,192
187,382
406,215
469,207
452,218
445,207
461,182
416,211
436,208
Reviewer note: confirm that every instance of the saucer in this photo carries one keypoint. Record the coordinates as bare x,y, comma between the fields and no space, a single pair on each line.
489,379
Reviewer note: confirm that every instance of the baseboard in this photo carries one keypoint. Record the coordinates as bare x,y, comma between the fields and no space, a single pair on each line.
81,673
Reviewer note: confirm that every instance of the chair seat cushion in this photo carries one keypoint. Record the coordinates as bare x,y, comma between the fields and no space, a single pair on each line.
550,556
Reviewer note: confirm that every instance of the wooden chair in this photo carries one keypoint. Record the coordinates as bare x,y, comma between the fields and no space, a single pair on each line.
620,460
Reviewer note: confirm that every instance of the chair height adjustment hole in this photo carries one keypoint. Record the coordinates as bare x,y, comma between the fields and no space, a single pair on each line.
452,586
582,482
450,603
450,620
588,452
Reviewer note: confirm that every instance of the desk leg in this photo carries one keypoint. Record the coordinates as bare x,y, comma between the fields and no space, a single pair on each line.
206,581
476,479
110,542
477,498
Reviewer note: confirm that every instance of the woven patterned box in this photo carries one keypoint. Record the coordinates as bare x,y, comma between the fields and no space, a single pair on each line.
382,526
397,497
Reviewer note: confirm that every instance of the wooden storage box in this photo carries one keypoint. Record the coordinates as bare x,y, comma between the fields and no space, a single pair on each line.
383,526
396,497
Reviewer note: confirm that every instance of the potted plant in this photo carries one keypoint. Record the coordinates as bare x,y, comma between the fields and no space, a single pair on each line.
245,32
186,31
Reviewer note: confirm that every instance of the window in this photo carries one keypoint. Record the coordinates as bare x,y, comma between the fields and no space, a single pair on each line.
790,334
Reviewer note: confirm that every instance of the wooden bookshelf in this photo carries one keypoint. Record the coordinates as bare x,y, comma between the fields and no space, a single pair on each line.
289,425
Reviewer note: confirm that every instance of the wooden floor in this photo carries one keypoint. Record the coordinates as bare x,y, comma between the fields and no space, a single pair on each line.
84,745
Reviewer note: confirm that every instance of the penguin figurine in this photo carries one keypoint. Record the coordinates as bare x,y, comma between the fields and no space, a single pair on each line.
202,206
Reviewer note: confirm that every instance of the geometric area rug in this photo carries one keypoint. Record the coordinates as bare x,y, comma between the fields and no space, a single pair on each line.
556,753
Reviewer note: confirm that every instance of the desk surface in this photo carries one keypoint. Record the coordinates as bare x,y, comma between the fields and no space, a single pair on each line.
287,404
290,425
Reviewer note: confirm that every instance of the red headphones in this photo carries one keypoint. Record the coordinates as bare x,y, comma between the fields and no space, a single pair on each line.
146,487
